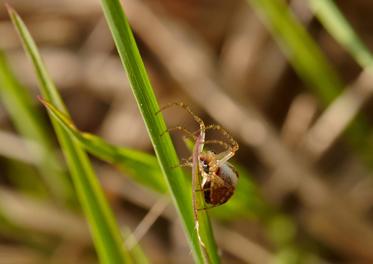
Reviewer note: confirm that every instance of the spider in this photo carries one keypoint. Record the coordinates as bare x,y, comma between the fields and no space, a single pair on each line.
219,177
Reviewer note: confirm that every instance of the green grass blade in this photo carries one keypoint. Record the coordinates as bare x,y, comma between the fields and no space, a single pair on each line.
29,123
312,66
104,230
155,124
333,20
298,46
337,25
142,166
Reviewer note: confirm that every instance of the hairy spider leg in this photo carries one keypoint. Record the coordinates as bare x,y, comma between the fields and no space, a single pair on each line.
231,149
229,153
184,163
196,118
233,146
182,129
187,108
233,143
209,207
217,142
188,162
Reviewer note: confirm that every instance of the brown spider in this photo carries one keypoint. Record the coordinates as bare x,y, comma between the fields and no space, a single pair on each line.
219,178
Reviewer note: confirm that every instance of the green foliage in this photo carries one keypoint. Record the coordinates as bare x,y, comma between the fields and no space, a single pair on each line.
158,173
29,123
105,232
337,25
310,63
300,49
141,166
155,124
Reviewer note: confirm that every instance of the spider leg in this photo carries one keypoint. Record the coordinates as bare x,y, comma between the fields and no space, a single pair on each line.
218,142
224,157
185,163
208,207
182,129
231,148
233,143
187,108
229,153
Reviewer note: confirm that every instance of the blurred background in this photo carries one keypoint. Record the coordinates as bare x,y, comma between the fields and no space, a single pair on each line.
299,107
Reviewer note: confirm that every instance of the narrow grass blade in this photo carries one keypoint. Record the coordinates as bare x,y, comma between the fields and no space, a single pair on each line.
142,166
25,179
29,123
154,122
312,66
302,52
104,230
337,25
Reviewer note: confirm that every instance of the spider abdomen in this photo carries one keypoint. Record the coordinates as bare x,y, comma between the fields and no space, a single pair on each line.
229,175
219,187
218,195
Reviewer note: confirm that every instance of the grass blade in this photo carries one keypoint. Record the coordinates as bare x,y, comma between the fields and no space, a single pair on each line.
20,106
104,230
163,147
337,25
298,46
333,20
142,166
312,66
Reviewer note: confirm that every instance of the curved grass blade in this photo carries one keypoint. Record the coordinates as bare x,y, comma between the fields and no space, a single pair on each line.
29,123
104,230
143,167
155,124
333,20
